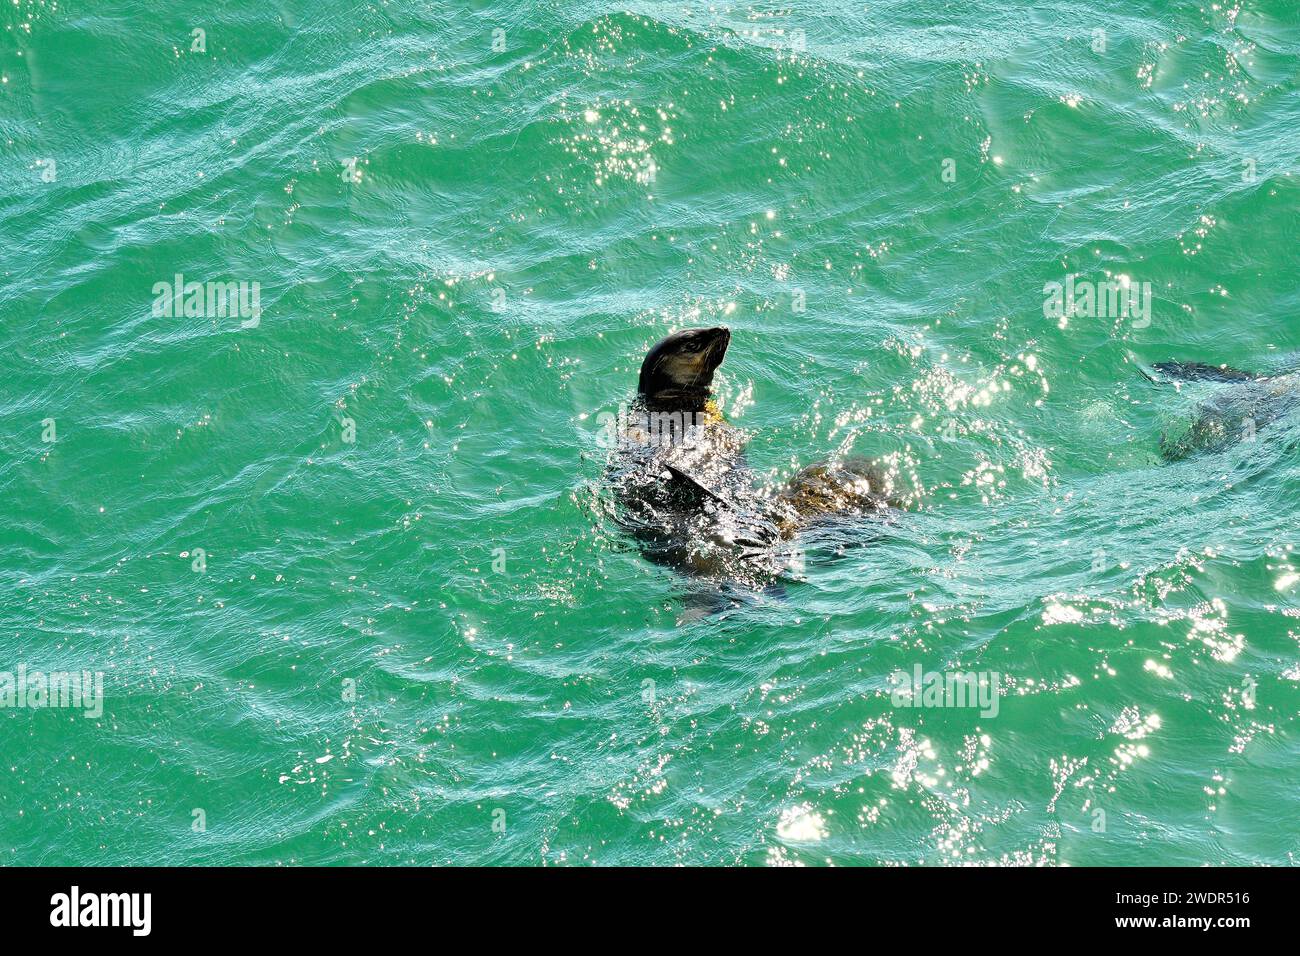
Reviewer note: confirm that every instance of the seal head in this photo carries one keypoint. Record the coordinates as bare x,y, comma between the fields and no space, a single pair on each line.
678,371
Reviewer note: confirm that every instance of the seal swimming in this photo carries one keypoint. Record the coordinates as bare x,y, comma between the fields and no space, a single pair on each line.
684,488
1235,413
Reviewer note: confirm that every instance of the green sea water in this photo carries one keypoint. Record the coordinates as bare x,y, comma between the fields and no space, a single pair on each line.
346,565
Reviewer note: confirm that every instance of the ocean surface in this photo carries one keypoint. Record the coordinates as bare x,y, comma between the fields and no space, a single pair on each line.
344,556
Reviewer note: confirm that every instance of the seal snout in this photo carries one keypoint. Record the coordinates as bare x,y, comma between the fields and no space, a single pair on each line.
719,339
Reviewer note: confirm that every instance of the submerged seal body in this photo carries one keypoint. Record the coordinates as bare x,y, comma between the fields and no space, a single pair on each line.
1246,403
685,491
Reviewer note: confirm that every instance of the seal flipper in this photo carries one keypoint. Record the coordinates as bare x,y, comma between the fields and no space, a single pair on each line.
1204,372
698,604
701,603
690,481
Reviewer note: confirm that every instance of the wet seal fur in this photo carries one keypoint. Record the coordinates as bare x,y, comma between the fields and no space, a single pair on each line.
686,493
